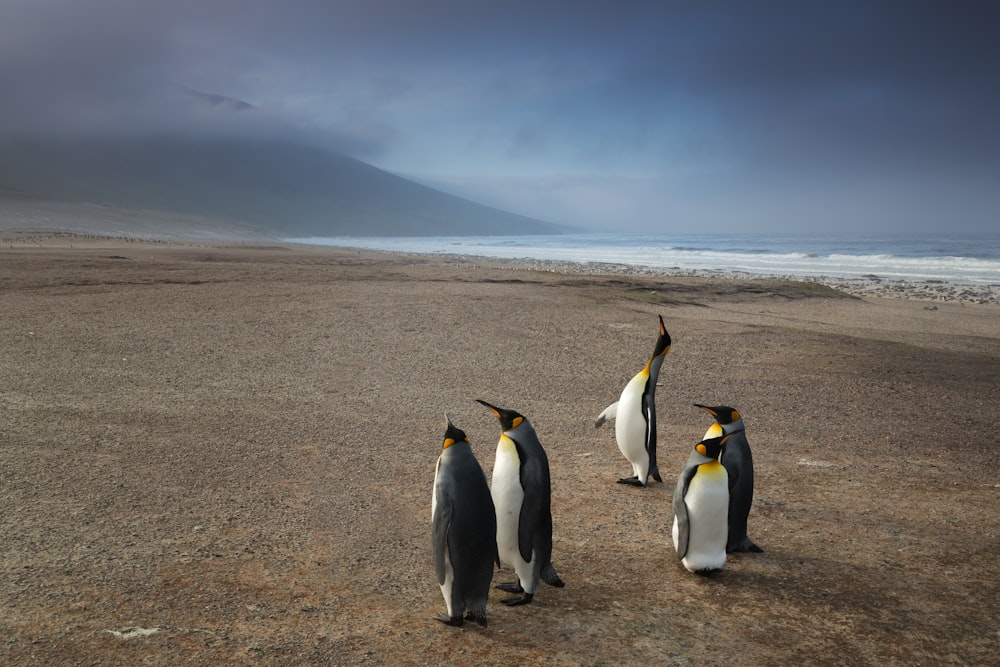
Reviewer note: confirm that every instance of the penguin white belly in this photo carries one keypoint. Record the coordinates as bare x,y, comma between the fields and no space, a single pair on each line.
707,501
630,426
507,498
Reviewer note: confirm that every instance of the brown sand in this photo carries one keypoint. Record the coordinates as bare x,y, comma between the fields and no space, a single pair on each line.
224,455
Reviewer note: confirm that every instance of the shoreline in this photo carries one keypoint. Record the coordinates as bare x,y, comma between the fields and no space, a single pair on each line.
929,290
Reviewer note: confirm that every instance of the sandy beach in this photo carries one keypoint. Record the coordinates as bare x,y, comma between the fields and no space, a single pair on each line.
223,454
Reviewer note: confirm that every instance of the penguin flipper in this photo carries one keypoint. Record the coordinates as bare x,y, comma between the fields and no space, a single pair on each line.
440,526
680,510
683,526
609,413
528,521
535,483
649,408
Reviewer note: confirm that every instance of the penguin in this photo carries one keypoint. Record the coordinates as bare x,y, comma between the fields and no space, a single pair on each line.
522,496
701,508
463,530
739,466
635,416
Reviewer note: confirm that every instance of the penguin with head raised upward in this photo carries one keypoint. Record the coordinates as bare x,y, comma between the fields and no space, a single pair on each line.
522,496
701,508
464,529
739,466
635,416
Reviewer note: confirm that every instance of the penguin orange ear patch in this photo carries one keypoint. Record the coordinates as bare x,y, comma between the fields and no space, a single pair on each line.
448,442
736,415
517,422
701,449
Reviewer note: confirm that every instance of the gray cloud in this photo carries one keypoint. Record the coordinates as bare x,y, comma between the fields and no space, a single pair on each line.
810,102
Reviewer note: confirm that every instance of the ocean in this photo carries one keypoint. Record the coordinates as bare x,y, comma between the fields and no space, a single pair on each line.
964,260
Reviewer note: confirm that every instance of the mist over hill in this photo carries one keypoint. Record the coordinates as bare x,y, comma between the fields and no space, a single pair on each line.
281,187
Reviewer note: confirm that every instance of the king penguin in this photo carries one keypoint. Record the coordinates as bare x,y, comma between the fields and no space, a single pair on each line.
463,530
701,508
522,497
739,466
635,416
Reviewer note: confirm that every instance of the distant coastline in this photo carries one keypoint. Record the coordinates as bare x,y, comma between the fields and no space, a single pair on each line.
59,224
568,254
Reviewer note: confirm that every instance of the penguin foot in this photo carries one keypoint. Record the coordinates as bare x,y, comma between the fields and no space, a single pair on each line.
510,587
478,618
455,621
551,577
708,571
519,600
656,476
631,481
745,546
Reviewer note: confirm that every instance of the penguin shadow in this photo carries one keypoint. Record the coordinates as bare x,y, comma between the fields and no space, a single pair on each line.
779,573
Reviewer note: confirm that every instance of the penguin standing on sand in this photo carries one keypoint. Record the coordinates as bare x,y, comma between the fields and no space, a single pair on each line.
464,530
701,508
522,497
635,416
739,466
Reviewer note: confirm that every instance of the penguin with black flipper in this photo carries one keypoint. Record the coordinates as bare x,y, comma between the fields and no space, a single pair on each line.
463,530
635,416
521,489
738,462
701,508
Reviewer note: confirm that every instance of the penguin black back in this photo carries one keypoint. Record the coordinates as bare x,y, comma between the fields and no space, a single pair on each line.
463,530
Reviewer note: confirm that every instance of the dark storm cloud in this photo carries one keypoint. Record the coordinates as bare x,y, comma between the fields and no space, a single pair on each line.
756,99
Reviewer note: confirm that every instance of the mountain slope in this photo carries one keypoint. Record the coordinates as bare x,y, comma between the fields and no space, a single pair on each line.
283,188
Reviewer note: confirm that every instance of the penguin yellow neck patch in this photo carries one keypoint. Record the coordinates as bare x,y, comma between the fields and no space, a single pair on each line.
507,446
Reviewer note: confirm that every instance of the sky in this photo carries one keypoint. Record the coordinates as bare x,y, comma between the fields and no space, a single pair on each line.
728,116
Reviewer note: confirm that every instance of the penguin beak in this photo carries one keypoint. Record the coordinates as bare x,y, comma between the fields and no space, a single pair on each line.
707,409
663,342
495,410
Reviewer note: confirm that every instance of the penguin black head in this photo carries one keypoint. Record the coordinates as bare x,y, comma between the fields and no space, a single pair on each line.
722,413
712,447
663,342
453,434
508,418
